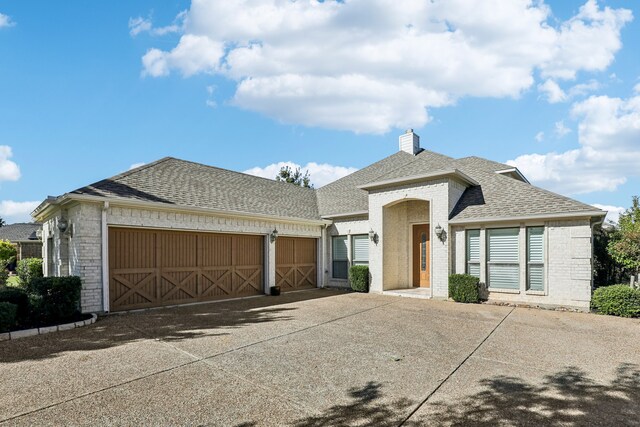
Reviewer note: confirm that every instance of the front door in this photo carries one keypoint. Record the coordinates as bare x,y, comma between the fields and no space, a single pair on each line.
421,256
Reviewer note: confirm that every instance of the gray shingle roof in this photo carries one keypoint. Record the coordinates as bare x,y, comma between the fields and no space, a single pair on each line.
182,183
19,232
179,182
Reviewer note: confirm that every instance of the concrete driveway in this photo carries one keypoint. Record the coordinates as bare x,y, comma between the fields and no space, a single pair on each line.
325,357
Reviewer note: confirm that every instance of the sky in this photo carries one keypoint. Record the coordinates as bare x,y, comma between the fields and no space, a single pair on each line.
89,89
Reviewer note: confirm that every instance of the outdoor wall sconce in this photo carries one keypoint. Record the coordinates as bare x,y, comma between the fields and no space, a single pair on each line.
442,235
274,235
373,236
39,234
63,224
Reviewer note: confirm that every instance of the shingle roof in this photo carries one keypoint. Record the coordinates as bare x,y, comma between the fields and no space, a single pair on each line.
19,232
182,183
179,182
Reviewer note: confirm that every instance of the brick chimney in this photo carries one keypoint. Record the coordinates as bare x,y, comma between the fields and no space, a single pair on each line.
410,142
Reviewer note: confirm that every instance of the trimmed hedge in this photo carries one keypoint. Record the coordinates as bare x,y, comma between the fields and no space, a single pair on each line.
19,298
55,299
617,300
464,288
359,278
28,269
8,315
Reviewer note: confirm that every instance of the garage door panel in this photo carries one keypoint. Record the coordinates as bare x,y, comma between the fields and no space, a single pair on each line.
296,263
153,268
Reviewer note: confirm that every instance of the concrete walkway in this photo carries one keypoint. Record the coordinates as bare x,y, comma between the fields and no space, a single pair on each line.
326,357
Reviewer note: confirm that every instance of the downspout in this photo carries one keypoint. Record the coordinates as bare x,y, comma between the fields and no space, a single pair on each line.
105,258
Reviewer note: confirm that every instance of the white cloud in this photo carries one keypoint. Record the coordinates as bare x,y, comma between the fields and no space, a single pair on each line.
5,21
369,65
613,212
560,129
539,136
609,151
320,173
552,91
9,170
12,211
145,25
136,165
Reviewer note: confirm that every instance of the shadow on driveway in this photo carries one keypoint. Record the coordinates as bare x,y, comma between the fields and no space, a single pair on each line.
167,324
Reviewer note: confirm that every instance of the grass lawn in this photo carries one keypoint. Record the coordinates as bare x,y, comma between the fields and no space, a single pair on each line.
13,281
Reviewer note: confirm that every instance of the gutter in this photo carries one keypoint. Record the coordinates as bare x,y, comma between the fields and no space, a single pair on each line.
583,214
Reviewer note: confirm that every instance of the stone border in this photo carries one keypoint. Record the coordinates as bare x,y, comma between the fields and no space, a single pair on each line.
47,329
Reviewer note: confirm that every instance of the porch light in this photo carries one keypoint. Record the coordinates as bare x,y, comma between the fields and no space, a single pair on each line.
373,236
274,235
63,224
439,232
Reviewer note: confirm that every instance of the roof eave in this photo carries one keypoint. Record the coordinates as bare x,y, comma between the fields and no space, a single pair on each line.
344,215
121,201
419,178
547,216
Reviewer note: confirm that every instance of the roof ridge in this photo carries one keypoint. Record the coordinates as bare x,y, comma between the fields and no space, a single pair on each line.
233,171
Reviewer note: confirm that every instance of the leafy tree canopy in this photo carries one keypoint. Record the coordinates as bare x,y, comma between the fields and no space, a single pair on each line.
2,222
296,177
624,245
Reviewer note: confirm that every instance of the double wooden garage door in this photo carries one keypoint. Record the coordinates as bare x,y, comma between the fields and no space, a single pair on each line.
150,268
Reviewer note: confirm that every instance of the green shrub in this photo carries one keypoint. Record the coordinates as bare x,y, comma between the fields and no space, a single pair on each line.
55,299
8,314
359,278
19,298
617,300
27,269
4,277
8,254
464,288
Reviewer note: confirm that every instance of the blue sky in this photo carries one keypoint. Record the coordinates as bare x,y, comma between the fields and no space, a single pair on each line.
89,88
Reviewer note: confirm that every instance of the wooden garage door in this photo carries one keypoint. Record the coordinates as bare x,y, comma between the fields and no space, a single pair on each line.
150,268
296,260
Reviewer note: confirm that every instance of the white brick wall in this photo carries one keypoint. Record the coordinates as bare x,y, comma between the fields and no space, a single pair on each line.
388,224
343,227
80,252
567,261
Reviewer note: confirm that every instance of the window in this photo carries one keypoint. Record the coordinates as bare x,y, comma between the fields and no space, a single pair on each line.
535,258
503,268
340,259
473,252
360,249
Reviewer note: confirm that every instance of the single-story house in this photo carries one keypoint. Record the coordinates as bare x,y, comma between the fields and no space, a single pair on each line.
173,232
24,236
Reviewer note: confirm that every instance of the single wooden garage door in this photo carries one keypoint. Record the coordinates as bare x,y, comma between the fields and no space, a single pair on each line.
296,260
150,268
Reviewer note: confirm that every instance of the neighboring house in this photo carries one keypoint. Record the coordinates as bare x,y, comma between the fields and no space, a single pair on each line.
25,238
173,232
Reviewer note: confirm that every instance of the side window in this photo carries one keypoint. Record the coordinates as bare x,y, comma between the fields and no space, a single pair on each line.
473,252
360,249
339,257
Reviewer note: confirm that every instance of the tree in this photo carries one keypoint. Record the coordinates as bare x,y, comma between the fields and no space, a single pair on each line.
624,246
2,223
8,254
296,177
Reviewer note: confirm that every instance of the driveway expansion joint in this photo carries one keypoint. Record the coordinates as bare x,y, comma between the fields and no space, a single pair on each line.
426,399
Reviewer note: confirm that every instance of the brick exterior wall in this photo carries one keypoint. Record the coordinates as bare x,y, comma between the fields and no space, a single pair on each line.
79,251
568,268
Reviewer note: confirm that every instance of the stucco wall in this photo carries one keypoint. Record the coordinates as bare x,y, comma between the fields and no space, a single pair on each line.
568,255
383,221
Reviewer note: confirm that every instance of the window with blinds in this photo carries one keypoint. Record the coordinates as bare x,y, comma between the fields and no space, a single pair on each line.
535,258
360,249
473,253
340,257
503,268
